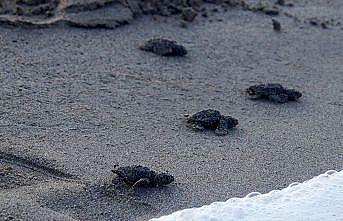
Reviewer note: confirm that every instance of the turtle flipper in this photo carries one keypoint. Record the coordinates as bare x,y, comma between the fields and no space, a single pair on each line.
278,98
144,182
114,170
195,126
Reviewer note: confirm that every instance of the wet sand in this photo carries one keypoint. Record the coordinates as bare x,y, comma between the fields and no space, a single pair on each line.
77,101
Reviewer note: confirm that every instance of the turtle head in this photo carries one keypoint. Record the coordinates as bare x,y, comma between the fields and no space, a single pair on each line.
179,50
293,94
163,179
114,170
233,122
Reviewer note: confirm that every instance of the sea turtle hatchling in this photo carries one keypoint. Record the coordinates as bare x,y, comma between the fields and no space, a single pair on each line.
140,176
212,120
273,92
163,47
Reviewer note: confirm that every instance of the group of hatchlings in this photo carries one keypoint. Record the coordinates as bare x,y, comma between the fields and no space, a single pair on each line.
140,176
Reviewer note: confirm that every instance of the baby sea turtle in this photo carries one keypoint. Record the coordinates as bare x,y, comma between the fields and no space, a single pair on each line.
140,176
163,47
273,92
212,120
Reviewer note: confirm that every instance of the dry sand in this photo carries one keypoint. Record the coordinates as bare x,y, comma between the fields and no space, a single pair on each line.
75,101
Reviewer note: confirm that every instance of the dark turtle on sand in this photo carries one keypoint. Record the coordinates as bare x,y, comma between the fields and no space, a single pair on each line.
212,120
140,176
163,47
273,92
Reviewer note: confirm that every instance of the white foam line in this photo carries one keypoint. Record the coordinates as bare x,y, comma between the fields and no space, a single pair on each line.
318,199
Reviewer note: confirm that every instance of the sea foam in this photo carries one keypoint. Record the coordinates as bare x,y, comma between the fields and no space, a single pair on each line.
320,198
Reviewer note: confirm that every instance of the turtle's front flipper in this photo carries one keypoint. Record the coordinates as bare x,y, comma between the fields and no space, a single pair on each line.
225,123
144,182
278,98
195,126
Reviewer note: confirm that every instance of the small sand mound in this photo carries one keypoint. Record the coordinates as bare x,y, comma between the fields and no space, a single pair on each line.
161,7
33,8
109,13
35,12
104,13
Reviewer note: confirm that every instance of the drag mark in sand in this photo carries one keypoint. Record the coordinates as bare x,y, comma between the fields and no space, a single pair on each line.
35,165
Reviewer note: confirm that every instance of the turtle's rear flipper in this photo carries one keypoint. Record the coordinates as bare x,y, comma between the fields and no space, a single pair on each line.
144,182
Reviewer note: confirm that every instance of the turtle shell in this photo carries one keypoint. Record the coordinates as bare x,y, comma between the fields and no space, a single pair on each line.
208,119
163,47
131,174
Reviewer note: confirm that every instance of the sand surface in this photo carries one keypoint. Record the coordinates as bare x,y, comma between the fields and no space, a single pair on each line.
73,102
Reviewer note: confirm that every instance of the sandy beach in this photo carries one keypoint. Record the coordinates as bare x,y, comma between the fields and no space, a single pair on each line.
75,101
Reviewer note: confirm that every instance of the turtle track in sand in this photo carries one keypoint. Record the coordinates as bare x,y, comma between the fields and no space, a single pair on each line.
17,171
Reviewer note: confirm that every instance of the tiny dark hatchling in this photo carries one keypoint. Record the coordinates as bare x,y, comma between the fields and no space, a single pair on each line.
140,176
163,47
273,92
212,120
